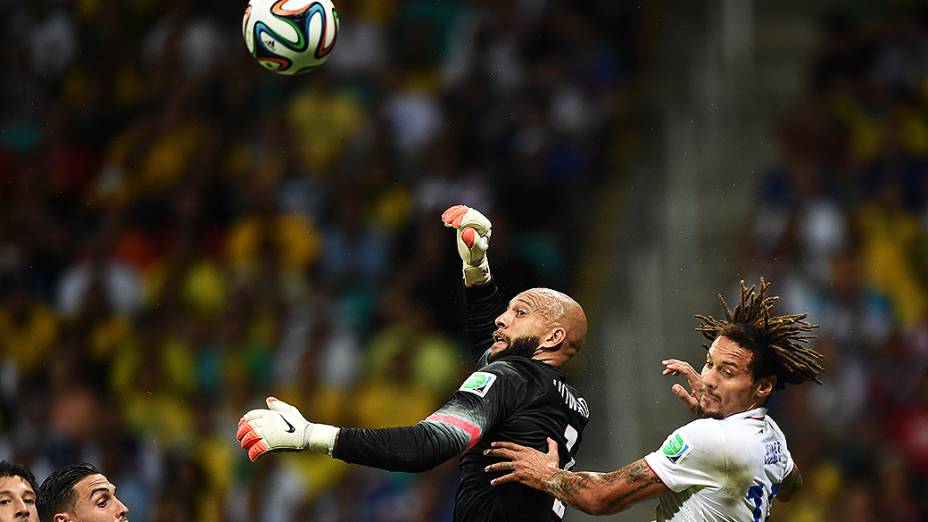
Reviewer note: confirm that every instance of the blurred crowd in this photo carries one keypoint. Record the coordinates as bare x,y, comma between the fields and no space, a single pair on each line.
841,226
183,233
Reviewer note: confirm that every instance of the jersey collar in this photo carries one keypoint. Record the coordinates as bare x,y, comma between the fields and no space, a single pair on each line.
757,414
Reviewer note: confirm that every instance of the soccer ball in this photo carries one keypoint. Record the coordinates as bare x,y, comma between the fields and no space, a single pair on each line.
290,36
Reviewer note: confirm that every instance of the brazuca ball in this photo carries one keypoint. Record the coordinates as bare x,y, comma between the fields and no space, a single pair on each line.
290,36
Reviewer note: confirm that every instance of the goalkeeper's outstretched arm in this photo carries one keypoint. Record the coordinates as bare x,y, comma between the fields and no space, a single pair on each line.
409,448
454,428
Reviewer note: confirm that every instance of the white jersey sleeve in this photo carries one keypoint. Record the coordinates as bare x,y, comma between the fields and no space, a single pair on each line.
693,455
786,456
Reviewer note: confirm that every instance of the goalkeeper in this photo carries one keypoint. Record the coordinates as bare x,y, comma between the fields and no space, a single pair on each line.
519,394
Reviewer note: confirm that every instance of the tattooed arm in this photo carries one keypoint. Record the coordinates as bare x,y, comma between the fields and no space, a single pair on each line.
592,493
606,493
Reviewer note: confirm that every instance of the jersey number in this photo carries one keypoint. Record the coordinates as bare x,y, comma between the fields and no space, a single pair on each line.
570,434
756,495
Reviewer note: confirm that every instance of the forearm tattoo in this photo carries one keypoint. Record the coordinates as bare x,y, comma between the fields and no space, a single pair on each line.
564,485
569,486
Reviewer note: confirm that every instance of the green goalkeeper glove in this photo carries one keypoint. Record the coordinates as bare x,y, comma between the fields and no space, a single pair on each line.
473,238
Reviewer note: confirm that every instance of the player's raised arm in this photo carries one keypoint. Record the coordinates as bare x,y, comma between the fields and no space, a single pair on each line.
482,301
592,493
473,240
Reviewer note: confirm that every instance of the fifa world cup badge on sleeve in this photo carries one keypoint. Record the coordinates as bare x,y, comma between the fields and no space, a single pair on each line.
478,383
676,447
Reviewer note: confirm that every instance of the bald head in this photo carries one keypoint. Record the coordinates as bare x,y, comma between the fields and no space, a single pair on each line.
559,309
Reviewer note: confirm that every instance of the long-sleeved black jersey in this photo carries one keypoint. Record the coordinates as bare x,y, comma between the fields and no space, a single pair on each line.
513,399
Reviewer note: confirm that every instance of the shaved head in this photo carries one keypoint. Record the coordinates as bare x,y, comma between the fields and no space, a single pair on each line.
559,309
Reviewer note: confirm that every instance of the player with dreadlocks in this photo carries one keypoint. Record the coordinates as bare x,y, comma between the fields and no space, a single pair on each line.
727,465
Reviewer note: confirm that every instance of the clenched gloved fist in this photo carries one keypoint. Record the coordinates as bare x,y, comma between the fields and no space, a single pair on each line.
473,235
282,428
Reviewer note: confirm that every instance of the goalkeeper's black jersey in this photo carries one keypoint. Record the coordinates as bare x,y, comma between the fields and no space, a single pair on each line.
526,402
513,399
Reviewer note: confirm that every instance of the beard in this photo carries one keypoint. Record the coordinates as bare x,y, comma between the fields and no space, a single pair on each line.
520,346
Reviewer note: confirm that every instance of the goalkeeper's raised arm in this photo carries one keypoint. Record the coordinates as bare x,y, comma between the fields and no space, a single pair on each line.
482,300
473,231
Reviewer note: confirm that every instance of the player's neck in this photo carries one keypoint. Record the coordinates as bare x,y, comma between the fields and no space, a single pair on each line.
555,359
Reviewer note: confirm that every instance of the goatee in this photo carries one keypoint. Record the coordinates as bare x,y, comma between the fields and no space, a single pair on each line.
522,347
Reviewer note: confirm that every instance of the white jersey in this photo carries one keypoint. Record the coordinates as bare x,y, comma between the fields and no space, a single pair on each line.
722,470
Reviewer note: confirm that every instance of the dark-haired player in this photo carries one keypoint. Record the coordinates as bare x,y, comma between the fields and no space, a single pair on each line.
79,493
728,465
17,494
519,394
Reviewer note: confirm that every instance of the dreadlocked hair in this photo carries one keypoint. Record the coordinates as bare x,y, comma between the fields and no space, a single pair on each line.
777,341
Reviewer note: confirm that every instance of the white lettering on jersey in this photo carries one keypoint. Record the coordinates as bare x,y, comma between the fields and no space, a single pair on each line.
578,405
774,453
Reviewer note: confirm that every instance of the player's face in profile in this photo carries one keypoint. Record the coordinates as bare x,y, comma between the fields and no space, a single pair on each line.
730,386
519,326
96,501
17,501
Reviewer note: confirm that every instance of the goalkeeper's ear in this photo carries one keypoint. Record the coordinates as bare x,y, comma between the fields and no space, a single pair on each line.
554,338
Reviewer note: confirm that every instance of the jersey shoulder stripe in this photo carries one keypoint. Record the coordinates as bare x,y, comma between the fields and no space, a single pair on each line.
470,429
